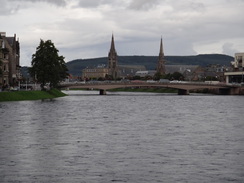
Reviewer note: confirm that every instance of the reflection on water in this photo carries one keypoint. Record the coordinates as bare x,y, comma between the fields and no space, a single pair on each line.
123,137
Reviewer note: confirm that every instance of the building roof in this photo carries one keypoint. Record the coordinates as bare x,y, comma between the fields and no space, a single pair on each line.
180,68
130,70
138,67
10,40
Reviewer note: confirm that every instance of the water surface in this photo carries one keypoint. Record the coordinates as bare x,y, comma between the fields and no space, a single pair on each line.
123,137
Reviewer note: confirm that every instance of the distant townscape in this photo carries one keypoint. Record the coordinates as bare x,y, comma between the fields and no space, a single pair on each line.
211,67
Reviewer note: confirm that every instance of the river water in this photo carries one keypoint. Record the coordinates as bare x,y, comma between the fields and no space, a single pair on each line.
123,137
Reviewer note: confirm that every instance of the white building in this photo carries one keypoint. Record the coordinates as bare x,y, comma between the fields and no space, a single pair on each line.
237,75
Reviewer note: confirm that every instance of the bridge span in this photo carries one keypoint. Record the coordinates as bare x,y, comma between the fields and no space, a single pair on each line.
183,88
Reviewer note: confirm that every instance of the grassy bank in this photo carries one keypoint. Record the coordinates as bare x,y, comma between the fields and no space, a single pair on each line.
30,95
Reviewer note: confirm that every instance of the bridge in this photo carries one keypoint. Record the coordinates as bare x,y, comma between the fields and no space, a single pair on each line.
183,88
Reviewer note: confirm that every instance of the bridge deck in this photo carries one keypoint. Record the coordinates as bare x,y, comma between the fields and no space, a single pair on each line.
182,86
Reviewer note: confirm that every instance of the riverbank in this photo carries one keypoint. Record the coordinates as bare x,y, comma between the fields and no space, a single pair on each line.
153,90
30,95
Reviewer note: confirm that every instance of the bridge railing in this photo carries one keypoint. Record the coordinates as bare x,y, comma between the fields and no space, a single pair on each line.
139,82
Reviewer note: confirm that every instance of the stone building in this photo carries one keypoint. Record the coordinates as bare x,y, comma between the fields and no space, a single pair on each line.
237,73
95,72
127,71
190,72
9,55
102,71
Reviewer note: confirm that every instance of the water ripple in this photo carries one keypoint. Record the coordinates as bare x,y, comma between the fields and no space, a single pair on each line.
123,138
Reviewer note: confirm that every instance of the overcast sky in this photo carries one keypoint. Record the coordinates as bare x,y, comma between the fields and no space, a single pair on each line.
83,28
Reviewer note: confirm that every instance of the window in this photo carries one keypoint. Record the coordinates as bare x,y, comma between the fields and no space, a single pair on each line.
3,45
239,59
5,56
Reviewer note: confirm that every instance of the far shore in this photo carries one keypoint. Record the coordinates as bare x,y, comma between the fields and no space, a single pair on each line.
30,95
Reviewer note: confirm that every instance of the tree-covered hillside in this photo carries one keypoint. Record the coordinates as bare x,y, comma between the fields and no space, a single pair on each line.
75,67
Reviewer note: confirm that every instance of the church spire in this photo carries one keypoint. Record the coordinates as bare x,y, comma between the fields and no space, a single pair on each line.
112,60
161,52
112,47
161,61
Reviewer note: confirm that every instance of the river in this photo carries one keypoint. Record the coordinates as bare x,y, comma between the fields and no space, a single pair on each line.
123,137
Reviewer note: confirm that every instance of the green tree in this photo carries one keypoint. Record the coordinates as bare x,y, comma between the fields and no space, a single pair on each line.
108,77
1,71
148,77
157,76
177,76
136,78
211,78
167,76
47,65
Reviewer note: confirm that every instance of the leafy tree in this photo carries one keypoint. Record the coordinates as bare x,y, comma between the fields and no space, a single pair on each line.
100,79
211,78
148,77
157,76
108,77
167,76
47,65
1,71
136,77
177,76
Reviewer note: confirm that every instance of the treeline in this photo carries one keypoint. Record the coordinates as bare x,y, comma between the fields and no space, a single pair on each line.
156,77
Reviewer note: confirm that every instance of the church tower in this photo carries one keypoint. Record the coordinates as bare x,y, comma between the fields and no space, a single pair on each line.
161,61
113,60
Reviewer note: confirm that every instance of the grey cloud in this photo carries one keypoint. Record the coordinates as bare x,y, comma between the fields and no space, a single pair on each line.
187,6
187,27
94,3
143,4
228,49
7,9
85,3
197,6
55,2
177,5
12,6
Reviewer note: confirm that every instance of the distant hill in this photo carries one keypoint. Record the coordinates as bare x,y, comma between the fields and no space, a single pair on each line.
75,66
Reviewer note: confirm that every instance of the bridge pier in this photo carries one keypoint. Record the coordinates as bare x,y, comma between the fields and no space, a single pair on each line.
229,91
102,92
235,91
183,92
